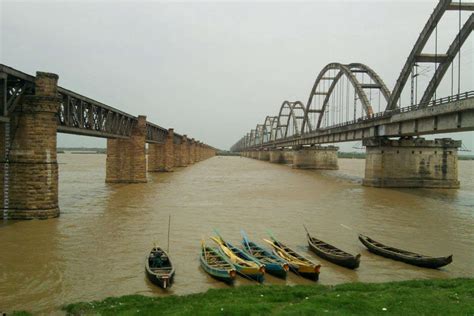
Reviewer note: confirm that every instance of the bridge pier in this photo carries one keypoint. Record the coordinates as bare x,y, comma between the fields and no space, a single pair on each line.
180,153
29,173
288,156
411,163
126,158
168,152
191,150
277,156
198,151
316,157
156,157
183,152
263,155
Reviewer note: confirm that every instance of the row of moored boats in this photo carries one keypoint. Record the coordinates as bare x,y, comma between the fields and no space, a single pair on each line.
251,260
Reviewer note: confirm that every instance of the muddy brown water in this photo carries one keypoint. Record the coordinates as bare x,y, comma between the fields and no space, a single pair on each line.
97,247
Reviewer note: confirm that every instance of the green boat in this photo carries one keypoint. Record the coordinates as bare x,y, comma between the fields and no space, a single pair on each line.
246,265
273,264
216,265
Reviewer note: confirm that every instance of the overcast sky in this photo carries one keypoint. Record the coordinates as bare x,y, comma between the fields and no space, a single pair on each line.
210,70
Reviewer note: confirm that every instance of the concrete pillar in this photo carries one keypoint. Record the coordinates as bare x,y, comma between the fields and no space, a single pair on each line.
156,157
287,156
264,155
317,157
32,179
126,158
169,151
276,156
411,163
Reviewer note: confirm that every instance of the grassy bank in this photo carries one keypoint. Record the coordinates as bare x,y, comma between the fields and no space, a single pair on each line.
424,297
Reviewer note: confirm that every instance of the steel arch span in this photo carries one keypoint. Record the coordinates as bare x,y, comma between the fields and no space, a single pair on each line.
290,119
344,96
442,61
325,85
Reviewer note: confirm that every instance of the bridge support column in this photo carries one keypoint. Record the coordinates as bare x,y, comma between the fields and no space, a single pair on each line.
30,187
288,156
183,152
191,150
276,156
411,163
263,155
177,155
199,151
168,151
317,157
126,158
156,157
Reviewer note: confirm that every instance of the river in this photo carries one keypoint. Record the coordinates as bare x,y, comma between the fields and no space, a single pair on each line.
97,247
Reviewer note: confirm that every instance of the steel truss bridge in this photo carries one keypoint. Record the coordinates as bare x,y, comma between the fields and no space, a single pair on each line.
77,114
350,102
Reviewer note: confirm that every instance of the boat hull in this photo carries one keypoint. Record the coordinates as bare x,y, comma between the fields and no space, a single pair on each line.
256,274
420,260
275,267
276,270
162,281
350,262
218,274
161,274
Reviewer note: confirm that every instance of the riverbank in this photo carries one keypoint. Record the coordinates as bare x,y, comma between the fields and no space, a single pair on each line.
428,297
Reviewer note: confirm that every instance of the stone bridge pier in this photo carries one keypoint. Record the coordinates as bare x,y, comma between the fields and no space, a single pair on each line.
263,155
411,163
277,156
316,157
29,169
161,157
126,158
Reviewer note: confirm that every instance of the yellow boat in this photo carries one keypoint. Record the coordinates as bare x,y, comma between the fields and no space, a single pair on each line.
298,263
244,263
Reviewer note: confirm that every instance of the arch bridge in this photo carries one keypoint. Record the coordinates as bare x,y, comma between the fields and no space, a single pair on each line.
351,102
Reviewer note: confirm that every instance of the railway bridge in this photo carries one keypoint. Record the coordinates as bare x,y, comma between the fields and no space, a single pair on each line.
33,109
351,102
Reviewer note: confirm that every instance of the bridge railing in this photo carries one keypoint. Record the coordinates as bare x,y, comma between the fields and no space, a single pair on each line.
386,114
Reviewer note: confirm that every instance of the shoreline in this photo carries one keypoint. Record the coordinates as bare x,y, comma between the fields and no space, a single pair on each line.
431,297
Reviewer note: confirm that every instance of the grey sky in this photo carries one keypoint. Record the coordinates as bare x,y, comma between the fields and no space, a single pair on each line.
211,70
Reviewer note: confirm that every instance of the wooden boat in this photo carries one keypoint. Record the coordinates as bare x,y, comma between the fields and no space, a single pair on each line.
403,255
298,263
159,268
216,265
273,264
332,254
245,264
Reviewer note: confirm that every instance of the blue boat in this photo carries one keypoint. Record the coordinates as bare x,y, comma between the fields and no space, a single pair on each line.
245,264
273,264
216,265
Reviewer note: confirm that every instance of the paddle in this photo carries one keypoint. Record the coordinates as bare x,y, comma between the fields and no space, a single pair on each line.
307,232
351,229
244,235
203,247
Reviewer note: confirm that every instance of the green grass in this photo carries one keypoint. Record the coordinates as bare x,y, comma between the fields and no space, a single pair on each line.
424,297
